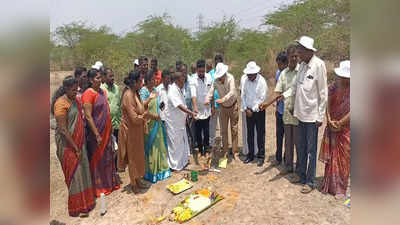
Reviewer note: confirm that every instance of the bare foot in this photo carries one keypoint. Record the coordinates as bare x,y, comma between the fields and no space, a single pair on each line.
339,196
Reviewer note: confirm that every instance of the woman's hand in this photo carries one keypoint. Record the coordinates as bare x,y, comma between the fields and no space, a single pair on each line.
335,126
98,139
153,95
78,153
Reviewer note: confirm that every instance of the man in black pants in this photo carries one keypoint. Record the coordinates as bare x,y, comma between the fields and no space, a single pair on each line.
282,62
200,84
254,93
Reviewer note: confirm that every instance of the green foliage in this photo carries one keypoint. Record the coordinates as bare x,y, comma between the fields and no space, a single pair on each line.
327,21
217,38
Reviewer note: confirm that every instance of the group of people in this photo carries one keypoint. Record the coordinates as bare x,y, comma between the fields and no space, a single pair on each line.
158,120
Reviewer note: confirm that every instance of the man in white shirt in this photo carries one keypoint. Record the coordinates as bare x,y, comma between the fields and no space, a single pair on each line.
310,93
254,93
178,145
245,148
199,86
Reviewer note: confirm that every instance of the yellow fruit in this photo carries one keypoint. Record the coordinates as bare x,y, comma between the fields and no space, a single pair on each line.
178,210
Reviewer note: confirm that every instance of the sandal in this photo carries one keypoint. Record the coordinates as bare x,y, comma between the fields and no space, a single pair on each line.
307,189
83,215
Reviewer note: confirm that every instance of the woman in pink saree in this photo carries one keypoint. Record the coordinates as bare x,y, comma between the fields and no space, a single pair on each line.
335,146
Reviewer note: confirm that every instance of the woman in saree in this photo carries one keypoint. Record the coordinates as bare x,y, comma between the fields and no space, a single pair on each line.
131,133
147,89
155,148
335,146
100,149
71,147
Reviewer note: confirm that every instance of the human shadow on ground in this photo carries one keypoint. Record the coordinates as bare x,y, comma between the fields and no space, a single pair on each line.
128,189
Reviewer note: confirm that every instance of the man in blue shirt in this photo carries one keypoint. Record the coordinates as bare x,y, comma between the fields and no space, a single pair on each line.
282,62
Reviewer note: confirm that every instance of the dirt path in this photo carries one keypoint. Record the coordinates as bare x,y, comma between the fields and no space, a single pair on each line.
253,195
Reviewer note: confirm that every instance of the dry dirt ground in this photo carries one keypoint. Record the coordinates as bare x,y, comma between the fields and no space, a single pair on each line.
253,195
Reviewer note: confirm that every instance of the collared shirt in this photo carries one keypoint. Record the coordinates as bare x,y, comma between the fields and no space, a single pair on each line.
175,115
199,88
163,93
114,100
285,81
226,90
187,94
280,106
254,92
310,90
212,72
242,79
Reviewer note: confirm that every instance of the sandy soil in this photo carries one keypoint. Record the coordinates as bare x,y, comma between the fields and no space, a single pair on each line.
253,195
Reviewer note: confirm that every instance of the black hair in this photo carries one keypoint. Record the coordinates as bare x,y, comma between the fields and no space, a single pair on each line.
291,49
282,57
179,62
130,80
79,70
181,67
201,63
91,74
142,58
134,76
126,81
105,71
148,77
165,73
219,58
68,82
154,59
176,76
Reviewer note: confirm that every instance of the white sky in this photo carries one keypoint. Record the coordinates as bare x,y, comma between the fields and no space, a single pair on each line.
123,15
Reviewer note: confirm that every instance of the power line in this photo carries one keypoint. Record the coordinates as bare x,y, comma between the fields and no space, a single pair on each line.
200,19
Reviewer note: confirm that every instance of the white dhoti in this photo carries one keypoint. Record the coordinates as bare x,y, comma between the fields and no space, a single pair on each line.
178,146
177,139
245,149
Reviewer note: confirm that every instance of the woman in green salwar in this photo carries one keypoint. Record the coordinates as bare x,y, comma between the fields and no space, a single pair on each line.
157,168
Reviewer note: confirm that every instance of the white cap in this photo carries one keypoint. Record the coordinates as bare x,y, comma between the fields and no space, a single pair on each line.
97,65
307,43
251,68
220,70
344,69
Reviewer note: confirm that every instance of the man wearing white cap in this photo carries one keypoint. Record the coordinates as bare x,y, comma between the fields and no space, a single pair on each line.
254,93
310,93
225,84
245,147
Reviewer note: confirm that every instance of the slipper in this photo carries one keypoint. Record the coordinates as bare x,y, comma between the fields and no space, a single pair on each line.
307,189
223,162
83,215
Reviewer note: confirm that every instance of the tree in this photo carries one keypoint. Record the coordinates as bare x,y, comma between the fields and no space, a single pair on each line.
217,37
